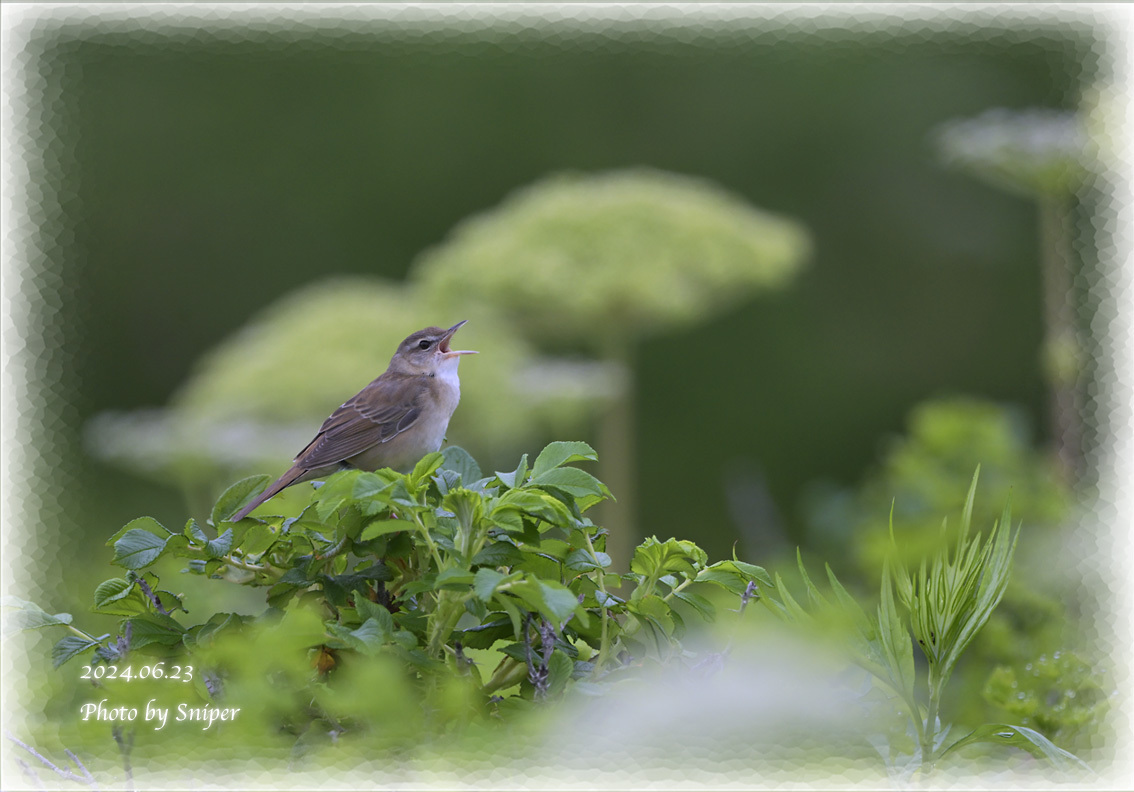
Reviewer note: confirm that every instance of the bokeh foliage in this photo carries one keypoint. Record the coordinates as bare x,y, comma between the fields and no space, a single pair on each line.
596,262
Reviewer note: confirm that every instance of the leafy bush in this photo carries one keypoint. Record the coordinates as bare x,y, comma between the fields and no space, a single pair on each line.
411,611
444,595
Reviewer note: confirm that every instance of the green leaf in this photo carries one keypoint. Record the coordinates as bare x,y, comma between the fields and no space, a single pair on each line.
369,484
498,554
559,670
372,610
970,499
237,495
219,547
111,591
517,477
138,548
425,468
553,600
1021,737
258,539
703,606
485,583
140,523
382,527
336,490
467,506
533,502
730,581
69,647
656,610
753,572
461,462
373,633
154,628
560,453
483,636
897,645
454,578
573,481
29,616
655,559
204,634
580,560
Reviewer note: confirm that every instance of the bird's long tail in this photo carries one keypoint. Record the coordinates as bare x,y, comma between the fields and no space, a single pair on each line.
293,474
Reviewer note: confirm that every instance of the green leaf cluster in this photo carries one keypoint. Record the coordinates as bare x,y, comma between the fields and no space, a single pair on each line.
471,594
942,604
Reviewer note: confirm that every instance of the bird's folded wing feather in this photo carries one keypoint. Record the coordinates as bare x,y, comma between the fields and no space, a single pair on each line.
381,411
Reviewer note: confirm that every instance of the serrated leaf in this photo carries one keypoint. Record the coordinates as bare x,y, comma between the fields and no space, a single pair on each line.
425,467
575,482
498,554
111,591
137,548
194,532
654,558
730,581
516,477
219,547
580,560
373,633
257,540
140,524
897,645
461,462
372,610
336,490
703,606
560,453
69,647
534,502
25,615
369,484
382,527
559,670
753,572
485,583
233,498
155,629
552,600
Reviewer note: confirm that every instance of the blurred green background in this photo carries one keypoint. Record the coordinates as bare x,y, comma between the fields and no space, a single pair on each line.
203,174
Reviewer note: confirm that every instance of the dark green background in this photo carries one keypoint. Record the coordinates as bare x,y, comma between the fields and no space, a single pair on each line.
201,174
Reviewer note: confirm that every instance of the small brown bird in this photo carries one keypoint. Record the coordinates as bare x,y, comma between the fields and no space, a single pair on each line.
392,422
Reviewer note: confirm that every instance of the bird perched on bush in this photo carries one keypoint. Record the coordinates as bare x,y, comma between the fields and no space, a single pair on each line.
392,422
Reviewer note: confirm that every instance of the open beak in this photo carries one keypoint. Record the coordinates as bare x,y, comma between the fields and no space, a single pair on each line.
443,347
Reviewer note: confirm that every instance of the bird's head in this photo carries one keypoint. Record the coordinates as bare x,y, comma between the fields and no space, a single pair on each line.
428,352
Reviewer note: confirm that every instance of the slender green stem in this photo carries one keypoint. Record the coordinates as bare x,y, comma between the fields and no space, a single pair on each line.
428,540
443,620
81,634
677,588
233,561
929,734
604,644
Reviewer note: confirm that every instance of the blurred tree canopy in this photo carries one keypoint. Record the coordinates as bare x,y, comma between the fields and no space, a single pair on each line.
598,262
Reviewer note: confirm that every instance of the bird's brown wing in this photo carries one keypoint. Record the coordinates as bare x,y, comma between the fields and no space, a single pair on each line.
380,411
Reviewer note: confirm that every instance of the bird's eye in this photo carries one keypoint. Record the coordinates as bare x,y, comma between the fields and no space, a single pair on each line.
425,344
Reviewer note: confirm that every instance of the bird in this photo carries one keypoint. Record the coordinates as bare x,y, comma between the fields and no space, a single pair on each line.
393,422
